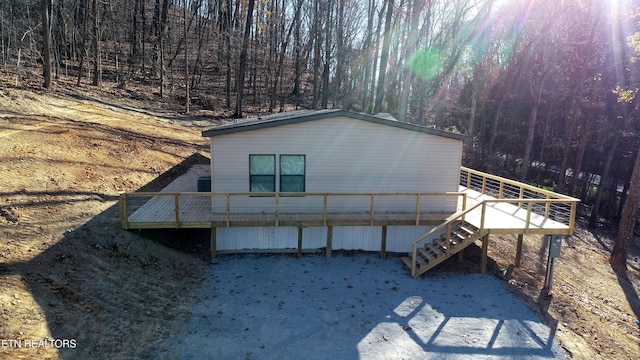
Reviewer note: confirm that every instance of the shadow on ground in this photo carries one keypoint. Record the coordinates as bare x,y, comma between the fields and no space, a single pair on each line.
114,293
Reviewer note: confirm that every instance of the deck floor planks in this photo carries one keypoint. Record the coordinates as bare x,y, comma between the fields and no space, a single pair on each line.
505,217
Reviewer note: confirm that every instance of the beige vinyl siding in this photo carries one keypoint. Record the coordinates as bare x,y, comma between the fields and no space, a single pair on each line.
343,155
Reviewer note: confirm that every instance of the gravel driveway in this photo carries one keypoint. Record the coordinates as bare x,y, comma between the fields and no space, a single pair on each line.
354,307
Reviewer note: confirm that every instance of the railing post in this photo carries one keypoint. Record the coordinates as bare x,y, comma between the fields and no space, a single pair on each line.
521,196
371,209
228,207
177,208
324,210
528,221
448,242
414,254
501,191
124,217
277,207
484,209
484,185
418,209
547,207
468,179
572,219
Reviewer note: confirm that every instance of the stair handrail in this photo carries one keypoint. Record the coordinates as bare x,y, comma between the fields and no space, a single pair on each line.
481,229
446,223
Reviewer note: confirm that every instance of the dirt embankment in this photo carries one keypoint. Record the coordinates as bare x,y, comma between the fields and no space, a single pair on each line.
68,272
72,283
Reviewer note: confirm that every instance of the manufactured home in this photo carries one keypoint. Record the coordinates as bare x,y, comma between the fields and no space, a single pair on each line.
331,152
339,180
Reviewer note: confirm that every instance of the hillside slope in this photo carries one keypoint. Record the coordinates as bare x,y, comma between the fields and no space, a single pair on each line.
68,272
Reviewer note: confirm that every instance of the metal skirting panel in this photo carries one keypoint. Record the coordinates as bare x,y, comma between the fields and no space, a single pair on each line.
399,238
367,238
263,238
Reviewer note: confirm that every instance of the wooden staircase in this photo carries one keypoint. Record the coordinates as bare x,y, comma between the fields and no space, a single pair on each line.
454,237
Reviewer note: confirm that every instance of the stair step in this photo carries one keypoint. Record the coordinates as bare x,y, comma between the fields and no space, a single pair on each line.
436,249
460,236
407,261
434,252
426,254
468,228
441,242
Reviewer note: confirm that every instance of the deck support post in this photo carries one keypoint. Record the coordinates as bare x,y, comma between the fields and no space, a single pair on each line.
483,257
383,243
461,255
214,241
518,251
299,242
124,217
329,240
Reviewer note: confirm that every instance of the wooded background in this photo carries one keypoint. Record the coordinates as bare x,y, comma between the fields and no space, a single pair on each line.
545,88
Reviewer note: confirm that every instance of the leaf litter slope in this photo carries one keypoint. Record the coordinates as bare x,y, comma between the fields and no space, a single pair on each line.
68,271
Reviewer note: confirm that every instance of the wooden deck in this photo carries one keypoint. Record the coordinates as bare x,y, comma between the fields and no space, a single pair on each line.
506,216
195,211
510,217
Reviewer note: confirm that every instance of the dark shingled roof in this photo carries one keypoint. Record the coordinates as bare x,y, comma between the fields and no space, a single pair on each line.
294,117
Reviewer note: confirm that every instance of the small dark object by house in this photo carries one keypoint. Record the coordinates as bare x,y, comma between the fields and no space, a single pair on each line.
204,183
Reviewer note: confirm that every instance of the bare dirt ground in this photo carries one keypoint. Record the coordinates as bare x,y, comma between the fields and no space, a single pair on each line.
68,271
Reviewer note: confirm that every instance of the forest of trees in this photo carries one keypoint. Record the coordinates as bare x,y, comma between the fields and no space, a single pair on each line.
544,88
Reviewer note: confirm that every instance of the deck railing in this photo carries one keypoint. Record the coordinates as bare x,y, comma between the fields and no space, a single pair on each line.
555,206
277,196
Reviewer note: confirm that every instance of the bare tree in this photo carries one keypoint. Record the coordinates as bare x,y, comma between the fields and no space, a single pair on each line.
243,60
46,43
620,251
97,68
384,58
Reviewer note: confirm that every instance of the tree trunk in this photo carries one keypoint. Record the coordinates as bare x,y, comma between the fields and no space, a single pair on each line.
533,119
298,62
571,129
186,57
226,20
317,35
327,57
412,41
46,44
618,258
368,55
384,57
84,42
582,146
340,54
281,56
97,72
243,60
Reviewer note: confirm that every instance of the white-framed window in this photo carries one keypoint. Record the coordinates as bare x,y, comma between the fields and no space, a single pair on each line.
292,173
262,173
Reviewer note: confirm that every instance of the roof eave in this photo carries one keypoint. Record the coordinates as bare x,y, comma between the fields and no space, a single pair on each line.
240,127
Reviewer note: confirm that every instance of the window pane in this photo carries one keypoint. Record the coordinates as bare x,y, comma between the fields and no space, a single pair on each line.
263,183
292,183
262,164
292,165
